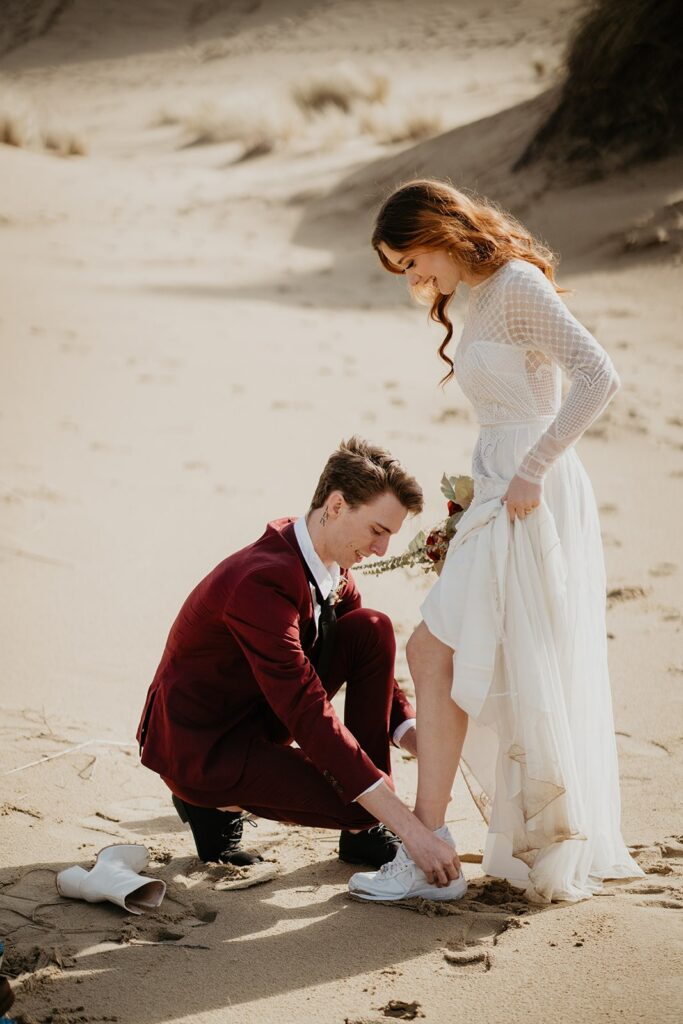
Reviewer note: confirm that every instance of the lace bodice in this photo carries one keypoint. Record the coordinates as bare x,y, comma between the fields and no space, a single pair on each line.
518,336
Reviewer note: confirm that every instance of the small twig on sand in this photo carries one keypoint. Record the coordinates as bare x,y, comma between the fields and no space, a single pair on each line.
71,750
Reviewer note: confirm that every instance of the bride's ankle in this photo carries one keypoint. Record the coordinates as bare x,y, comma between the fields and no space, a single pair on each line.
430,817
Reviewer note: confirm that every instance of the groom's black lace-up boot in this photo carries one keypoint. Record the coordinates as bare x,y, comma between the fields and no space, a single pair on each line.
376,846
217,834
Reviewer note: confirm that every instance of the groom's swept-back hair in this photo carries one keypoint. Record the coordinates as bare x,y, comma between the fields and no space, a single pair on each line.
362,471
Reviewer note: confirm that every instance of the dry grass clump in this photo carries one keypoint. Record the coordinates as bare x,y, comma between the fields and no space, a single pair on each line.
12,131
344,87
622,99
258,129
662,230
319,112
400,123
64,143
357,102
21,126
328,129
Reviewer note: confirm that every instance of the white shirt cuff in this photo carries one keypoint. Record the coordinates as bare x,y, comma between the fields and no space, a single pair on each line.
402,729
368,790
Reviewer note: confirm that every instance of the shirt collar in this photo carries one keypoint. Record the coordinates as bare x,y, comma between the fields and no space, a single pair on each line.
327,579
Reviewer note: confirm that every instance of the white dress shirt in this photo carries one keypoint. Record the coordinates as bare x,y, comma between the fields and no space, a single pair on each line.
327,578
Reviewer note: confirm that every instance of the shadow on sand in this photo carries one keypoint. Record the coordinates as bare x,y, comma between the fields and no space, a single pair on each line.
297,931
478,157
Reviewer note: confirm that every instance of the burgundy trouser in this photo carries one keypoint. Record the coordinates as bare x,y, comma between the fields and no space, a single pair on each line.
279,781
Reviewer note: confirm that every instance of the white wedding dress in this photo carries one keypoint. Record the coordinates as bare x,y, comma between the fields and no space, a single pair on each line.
523,605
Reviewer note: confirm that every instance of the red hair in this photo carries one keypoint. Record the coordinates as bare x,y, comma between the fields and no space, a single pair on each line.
430,214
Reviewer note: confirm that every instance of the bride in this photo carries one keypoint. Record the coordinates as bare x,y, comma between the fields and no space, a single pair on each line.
510,662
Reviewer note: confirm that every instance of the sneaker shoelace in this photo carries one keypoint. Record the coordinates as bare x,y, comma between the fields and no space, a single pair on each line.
400,862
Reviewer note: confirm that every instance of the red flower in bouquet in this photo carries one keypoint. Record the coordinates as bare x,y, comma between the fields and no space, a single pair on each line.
429,550
436,545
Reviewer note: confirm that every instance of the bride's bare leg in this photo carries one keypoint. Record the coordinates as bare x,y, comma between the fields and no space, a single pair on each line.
441,725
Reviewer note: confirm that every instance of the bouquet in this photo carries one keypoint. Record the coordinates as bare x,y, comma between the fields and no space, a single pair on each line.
429,550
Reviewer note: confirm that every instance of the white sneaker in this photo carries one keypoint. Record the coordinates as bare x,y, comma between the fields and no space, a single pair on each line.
402,879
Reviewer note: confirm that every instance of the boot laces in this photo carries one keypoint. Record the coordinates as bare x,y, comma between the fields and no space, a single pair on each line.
232,836
383,834
232,832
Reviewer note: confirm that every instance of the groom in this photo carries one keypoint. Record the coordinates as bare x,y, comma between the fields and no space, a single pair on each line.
258,650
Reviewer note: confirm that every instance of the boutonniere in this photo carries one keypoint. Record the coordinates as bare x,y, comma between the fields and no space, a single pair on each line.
339,591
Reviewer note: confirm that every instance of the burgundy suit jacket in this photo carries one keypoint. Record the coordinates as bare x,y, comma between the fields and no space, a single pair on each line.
236,666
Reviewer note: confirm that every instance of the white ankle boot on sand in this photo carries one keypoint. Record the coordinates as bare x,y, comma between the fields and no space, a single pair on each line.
115,878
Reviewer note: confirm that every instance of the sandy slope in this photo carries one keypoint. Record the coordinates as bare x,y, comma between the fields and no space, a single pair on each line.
185,336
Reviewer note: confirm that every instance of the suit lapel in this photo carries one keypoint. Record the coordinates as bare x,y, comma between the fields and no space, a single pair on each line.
307,623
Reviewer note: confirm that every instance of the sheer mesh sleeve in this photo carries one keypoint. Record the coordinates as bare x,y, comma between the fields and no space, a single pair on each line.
537,318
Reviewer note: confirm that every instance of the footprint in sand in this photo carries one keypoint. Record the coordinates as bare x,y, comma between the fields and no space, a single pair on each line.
668,897
663,569
464,959
8,809
247,877
165,934
451,413
112,449
74,346
280,403
641,748
41,493
617,594
609,540
648,890
659,859
663,904
672,848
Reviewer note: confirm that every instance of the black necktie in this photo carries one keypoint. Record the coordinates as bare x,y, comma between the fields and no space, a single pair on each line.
323,648
324,645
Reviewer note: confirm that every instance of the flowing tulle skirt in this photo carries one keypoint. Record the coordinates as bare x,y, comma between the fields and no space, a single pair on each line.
523,607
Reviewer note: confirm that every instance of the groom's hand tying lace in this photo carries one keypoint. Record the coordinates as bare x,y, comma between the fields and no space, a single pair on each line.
522,498
436,858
